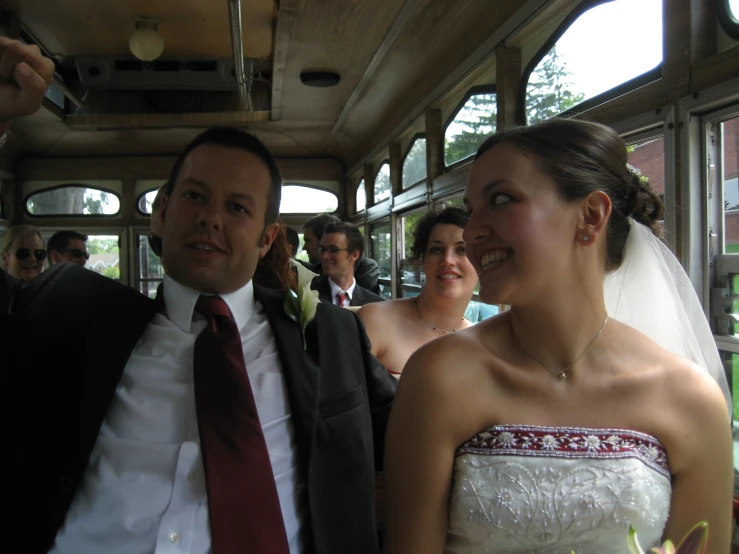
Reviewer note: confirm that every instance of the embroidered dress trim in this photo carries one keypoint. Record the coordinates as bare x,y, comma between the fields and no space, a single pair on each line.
568,442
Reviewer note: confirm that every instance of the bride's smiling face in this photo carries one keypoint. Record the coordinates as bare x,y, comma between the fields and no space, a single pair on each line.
521,234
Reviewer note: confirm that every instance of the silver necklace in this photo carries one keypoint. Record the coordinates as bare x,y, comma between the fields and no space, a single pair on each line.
560,372
434,327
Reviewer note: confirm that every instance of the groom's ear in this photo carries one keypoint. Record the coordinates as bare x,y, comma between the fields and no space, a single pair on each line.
595,212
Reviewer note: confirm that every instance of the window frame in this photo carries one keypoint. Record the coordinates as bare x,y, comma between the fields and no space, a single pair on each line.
375,201
298,184
729,23
473,91
28,196
411,144
138,201
606,96
362,181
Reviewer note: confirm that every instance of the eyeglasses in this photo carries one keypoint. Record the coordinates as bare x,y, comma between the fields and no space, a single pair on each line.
23,253
77,253
333,250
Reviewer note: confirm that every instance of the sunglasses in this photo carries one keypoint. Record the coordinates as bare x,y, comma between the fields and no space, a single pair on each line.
24,253
77,253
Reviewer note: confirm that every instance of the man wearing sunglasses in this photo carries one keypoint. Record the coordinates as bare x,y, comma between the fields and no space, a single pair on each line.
68,246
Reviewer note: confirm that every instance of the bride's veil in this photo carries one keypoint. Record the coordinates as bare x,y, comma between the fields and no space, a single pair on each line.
652,293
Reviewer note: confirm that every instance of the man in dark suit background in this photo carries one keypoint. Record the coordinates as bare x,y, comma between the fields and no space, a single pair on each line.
366,270
106,449
341,246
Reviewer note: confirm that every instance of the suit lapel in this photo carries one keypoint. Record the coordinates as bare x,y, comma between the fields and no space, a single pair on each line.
324,289
301,373
357,297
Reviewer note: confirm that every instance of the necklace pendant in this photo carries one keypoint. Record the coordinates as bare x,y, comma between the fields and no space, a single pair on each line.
561,374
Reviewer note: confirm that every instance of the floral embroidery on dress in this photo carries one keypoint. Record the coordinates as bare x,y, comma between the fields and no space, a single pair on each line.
551,490
568,441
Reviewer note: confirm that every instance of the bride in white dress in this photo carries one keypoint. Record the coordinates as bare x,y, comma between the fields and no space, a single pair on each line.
555,426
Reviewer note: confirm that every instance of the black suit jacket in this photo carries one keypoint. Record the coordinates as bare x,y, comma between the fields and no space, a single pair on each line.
366,272
73,333
360,296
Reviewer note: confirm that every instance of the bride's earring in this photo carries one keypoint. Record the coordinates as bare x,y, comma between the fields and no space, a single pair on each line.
585,238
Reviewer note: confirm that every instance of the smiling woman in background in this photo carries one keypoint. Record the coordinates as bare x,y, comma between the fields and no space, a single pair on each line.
23,252
399,327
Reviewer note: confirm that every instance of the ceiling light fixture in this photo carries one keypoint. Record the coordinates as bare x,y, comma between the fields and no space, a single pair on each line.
146,43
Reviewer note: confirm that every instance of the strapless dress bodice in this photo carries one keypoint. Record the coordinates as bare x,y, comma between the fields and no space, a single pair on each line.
529,489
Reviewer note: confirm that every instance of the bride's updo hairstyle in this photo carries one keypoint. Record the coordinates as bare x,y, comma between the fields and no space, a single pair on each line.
584,157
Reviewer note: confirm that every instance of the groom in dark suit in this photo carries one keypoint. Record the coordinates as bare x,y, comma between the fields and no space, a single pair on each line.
117,402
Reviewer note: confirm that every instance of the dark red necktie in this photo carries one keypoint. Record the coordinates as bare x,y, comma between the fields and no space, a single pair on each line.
243,506
343,297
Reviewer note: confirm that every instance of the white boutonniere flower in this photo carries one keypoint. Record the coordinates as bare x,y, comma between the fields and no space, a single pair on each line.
301,306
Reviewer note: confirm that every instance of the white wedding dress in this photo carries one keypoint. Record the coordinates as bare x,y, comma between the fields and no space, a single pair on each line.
528,489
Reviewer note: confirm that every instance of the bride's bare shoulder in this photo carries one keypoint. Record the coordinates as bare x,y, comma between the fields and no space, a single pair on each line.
458,358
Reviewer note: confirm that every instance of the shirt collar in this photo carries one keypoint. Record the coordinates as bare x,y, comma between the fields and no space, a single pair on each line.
335,289
180,303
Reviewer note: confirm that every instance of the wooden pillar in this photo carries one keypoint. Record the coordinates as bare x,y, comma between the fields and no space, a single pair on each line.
508,87
350,196
434,145
369,184
689,34
396,169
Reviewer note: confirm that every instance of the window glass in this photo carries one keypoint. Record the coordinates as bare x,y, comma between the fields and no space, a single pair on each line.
411,273
382,183
145,201
361,196
380,248
477,311
414,165
104,255
472,124
73,200
302,254
151,271
728,17
299,199
594,55
649,158
730,134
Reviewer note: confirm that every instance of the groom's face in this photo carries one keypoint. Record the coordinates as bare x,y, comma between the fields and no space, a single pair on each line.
213,231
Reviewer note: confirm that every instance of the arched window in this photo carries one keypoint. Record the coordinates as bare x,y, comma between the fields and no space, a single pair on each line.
361,196
382,183
74,200
469,126
302,199
592,53
414,165
728,16
143,204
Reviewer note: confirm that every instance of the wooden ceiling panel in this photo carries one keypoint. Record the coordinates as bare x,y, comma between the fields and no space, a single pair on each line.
422,56
188,27
338,35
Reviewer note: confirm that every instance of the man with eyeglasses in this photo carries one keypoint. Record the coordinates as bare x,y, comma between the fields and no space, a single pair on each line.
68,246
341,246
366,270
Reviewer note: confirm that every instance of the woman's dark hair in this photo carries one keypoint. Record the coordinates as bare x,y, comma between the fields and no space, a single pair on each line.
425,226
584,157
273,271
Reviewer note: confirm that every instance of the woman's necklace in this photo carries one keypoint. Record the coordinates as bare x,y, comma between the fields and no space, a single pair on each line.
560,372
434,327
